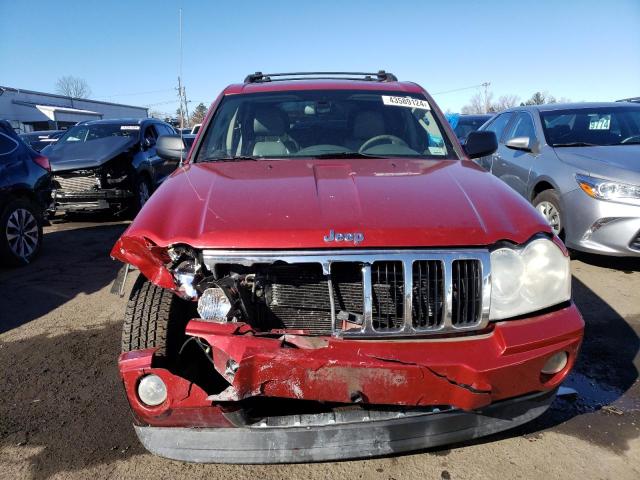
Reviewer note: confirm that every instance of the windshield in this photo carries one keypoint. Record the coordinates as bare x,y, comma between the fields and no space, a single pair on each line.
86,133
324,123
592,126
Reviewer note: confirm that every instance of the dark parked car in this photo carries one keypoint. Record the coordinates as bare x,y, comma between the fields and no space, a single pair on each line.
41,139
25,195
463,125
108,164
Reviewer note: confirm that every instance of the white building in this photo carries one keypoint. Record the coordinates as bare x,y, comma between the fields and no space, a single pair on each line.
29,111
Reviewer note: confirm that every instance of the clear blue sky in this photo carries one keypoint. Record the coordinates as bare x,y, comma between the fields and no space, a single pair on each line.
582,50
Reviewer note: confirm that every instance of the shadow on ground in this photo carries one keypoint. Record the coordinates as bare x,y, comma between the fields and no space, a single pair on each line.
606,410
63,400
72,261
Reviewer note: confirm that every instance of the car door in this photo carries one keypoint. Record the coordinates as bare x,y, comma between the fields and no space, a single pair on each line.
10,160
497,126
513,166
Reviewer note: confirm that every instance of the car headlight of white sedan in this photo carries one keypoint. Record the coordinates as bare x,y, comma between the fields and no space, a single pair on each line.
528,278
609,190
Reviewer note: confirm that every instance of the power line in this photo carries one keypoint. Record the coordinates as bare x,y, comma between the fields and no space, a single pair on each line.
485,84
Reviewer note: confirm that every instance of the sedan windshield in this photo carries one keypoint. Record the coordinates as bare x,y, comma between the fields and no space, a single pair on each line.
324,123
86,133
592,126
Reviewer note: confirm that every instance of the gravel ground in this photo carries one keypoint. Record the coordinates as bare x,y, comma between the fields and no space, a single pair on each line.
63,413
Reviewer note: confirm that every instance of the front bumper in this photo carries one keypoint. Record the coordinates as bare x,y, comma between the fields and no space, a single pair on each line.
603,227
90,200
470,386
338,441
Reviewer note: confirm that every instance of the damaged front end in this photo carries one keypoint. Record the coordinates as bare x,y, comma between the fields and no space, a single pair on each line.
318,355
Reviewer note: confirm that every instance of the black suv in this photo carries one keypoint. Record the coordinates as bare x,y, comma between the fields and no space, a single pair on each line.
108,164
25,196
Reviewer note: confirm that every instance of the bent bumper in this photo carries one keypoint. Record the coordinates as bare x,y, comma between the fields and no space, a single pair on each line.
598,226
337,441
90,200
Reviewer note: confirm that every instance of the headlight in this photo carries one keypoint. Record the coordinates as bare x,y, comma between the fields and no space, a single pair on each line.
607,190
531,278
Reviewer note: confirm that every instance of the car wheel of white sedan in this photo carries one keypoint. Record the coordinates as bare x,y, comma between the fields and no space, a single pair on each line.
548,204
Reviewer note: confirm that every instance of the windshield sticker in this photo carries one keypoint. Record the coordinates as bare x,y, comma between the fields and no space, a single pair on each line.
408,102
603,123
130,127
437,151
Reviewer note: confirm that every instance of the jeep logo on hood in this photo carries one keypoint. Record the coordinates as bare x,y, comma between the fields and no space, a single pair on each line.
355,237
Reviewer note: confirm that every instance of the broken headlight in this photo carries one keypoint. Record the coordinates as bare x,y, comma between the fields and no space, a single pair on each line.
529,278
186,269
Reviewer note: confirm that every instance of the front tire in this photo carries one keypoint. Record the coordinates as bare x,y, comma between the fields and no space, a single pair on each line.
142,192
548,204
20,232
155,318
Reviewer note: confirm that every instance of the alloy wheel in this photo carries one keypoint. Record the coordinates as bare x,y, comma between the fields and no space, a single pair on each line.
22,233
551,215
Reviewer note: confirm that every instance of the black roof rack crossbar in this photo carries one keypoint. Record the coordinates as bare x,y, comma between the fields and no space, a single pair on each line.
380,76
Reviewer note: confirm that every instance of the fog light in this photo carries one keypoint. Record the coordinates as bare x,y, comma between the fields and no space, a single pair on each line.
152,390
214,305
555,364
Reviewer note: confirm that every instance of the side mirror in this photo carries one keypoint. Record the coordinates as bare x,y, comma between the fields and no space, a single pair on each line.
520,143
171,147
480,144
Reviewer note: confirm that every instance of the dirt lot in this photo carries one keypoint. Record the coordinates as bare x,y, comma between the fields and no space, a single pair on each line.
63,413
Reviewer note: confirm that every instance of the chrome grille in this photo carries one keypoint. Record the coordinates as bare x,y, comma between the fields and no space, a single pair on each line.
372,293
76,183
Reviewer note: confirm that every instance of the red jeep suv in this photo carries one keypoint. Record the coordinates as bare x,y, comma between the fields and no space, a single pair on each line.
327,275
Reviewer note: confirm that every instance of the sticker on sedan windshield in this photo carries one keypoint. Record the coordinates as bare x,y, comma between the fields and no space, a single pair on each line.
408,102
130,127
603,123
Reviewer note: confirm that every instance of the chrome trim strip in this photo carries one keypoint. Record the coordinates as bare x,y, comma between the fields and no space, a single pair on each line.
367,258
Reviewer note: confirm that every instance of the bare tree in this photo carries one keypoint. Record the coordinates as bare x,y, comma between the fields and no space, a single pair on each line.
73,87
505,101
476,104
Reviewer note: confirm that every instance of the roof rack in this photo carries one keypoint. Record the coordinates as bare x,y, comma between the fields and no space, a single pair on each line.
380,76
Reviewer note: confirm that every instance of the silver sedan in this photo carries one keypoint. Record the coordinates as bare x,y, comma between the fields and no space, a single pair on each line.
579,164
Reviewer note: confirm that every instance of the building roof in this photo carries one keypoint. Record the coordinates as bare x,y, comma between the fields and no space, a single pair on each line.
55,95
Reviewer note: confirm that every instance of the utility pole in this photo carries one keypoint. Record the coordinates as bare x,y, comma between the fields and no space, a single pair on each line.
486,96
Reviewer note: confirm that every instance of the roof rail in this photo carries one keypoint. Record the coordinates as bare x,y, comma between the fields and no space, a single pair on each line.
380,76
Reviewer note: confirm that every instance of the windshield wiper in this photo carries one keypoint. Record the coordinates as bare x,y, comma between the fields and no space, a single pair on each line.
576,144
230,159
346,155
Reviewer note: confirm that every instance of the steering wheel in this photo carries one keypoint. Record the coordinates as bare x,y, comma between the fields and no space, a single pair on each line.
632,137
381,138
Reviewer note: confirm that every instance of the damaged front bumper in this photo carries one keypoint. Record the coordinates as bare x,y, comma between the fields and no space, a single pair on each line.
386,396
91,200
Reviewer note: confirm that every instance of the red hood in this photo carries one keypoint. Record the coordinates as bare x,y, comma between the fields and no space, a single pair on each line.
294,203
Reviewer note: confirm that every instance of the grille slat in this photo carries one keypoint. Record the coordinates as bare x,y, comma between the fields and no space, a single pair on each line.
427,294
76,183
466,288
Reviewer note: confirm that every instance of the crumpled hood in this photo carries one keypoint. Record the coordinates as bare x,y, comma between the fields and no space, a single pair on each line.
82,155
614,162
296,203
